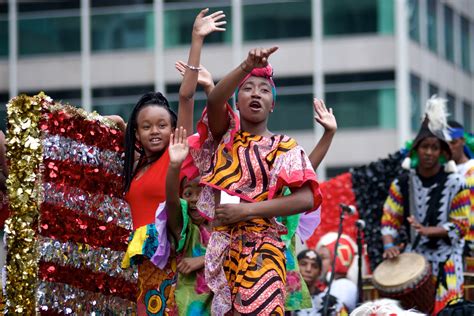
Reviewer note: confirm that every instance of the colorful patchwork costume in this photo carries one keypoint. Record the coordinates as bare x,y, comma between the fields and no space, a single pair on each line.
245,262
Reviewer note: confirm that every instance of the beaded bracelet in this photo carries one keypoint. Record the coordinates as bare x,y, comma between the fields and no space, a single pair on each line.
388,246
193,68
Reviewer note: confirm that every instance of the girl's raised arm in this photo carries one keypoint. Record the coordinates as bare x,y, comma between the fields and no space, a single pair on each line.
217,112
203,25
178,150
326,118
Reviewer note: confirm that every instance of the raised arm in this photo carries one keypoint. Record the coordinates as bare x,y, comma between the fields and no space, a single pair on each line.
203,25
204,76
326,118
178,150
217,113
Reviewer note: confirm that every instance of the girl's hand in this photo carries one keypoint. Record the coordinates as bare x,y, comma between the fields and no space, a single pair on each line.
204,25
204,76
190,264
227,214
257,58
324,116
178,147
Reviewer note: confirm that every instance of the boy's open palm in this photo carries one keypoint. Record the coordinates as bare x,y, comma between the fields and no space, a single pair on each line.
178,147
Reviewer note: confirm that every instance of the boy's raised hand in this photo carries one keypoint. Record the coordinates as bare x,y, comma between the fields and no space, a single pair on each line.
204,25
178,147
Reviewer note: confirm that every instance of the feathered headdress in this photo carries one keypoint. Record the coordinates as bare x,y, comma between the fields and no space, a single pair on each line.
435,124
437,117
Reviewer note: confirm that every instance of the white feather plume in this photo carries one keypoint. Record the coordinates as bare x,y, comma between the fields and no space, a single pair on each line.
437,115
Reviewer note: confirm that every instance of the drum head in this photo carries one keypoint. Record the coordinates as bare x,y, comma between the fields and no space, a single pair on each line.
401,272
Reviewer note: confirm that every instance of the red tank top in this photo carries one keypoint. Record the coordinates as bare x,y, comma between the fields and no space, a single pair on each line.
147,192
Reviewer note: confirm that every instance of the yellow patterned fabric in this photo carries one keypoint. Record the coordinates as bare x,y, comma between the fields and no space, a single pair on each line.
469,178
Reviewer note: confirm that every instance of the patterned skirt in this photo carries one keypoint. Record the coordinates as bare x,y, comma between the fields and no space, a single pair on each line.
156,289
254,268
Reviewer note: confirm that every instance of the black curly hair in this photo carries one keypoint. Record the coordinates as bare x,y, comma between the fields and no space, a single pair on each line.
148,99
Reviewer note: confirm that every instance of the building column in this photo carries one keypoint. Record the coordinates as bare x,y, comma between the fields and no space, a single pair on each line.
159,51
440,16
402,72
86,90
457,38
12,48
423,22
318,72
237,34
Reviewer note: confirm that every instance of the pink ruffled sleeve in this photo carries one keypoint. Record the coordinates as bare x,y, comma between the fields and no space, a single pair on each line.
293,169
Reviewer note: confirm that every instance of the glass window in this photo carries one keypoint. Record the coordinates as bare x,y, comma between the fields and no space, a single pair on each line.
432,90
3,38
347,93
465,45
432,26
118,100
377,106
415,96
114,107
448,34
298,107
179,25
344,17
122,30
414,13
48,35
467,119
4,8
48,5
114,3
360,77
451,105
290,19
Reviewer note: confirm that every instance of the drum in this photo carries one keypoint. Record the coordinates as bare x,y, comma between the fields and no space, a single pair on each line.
406,278
369,292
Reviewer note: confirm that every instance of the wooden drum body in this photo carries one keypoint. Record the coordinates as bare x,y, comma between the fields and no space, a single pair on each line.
406,278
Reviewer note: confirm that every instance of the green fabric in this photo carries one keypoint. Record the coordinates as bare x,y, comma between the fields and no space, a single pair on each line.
291,222
297,293
184,211
191,297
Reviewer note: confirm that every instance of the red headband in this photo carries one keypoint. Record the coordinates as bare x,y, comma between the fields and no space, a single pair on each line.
265,72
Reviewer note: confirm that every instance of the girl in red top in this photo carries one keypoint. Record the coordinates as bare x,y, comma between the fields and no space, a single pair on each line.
148,135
